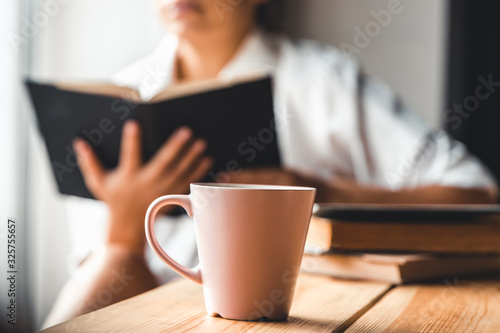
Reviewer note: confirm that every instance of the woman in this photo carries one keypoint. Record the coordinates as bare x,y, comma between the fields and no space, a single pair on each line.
338,131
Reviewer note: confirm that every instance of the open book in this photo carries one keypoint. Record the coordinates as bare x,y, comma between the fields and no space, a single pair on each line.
235,118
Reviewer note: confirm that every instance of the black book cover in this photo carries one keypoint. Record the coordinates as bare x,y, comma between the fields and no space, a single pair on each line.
237,121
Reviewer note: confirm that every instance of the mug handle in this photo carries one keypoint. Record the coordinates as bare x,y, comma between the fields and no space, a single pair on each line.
185,202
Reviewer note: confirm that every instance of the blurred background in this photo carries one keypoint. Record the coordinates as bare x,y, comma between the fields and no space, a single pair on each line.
432,53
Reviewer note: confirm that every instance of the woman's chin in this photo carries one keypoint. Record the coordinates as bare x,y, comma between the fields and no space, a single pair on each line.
187,30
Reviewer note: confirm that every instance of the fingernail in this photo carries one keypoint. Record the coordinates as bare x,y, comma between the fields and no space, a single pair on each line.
183,132
200,145
130,127
81,146
208,160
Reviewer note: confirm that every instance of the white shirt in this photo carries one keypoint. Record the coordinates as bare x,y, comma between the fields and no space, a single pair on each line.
331,121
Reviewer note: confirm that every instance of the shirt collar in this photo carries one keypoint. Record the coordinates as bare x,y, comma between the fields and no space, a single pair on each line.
257,56
160,71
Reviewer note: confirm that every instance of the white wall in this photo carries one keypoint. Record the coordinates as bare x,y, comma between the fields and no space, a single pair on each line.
408,53
92,39
85,39
95,38
13,135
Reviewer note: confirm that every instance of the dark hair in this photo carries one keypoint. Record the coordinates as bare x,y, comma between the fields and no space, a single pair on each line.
268,15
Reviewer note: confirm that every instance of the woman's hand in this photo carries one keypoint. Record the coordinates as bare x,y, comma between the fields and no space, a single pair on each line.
130,188
346,190
265,175
326,192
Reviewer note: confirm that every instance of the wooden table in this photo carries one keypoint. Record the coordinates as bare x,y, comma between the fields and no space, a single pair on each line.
321,304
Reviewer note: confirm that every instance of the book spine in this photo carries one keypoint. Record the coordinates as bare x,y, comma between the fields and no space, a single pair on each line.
413,237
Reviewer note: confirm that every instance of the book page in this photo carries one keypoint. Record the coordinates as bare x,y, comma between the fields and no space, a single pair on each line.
100,88
190,88
173,91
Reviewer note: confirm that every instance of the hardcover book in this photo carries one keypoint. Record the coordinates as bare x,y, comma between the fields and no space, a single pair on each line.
235,118
398,268
405,228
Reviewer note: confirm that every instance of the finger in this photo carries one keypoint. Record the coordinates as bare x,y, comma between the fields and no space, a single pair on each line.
201,170
130,150
196,174
188,160
170,151
242,176
90,166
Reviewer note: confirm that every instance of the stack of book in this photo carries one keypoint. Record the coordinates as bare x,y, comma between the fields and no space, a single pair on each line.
403,243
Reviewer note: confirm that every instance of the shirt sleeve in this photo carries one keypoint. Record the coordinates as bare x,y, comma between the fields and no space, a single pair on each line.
402,151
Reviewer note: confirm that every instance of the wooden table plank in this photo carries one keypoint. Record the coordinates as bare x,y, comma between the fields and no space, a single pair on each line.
452,306
321,304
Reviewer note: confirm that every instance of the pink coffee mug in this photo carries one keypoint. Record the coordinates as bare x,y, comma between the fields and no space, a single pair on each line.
250,244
